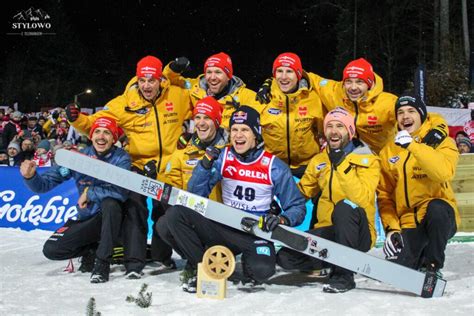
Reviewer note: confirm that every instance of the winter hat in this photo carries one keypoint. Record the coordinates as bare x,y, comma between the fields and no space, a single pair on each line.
341,115
16,115
210,107
248,116
466,141
360,68
105,122
289,60
45,144
149,67
14,145
414,101
222,61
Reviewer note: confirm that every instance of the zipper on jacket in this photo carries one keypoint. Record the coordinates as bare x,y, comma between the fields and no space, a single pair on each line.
416,218
355,118
288,129
330,185
159,136
405,180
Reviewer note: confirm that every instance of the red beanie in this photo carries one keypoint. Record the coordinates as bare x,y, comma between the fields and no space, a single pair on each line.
222,61
210,107
341,115
105,122
360,68
149,67
289,60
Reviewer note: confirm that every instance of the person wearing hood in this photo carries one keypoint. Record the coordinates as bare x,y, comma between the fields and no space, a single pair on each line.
415,196
260,177
98,226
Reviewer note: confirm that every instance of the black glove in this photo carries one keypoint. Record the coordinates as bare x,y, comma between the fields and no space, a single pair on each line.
212,153
393,244
275,208
435,136
336,156
269,222
149,170
183,140
72,112
263,95
179,65
55,115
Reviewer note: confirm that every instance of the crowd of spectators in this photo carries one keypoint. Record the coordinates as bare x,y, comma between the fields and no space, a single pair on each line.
36,136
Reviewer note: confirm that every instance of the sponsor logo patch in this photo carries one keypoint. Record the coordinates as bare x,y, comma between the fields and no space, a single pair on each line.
321,166
263,251
274,111
394,159
192,162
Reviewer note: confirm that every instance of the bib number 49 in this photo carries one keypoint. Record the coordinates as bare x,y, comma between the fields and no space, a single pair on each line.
248,193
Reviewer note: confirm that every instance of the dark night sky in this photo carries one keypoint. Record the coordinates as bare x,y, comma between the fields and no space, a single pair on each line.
113,35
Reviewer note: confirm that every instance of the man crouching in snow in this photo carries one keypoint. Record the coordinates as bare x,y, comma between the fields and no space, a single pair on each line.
99,206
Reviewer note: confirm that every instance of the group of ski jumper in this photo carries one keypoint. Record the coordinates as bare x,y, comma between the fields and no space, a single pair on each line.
244,149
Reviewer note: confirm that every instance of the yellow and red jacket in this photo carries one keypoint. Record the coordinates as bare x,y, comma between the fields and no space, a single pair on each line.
291,123
152,129
197,88
355,179
412,177
374,114
180,167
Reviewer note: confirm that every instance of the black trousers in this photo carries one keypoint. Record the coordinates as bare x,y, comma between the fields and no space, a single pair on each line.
77,237
426,243
135,232
190,234
350,228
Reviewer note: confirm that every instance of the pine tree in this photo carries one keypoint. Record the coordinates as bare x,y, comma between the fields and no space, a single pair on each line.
91,308
143,300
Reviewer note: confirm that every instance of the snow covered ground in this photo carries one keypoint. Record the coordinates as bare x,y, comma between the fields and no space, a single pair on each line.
32,285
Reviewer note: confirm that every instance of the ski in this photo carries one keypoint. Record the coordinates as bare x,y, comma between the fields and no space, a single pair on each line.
422,284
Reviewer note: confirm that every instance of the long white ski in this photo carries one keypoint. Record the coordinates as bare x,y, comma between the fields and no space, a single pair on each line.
423,284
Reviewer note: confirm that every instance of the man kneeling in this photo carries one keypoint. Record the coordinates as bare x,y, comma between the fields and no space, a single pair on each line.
99,206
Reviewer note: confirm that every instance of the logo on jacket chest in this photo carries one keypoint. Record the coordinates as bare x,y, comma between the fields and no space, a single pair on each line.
372,120
302,110
169,106
274,111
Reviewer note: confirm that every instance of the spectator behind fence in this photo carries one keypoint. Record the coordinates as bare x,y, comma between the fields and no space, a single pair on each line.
12,130
43,155
13,150
3,158
28,148
464,145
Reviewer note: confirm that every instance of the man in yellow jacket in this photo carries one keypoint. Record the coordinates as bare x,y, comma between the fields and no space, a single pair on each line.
346,174
361,93
293,120
415,197
151,112
218,81
207,117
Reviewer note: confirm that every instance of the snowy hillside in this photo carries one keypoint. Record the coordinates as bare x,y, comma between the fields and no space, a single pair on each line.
32,285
